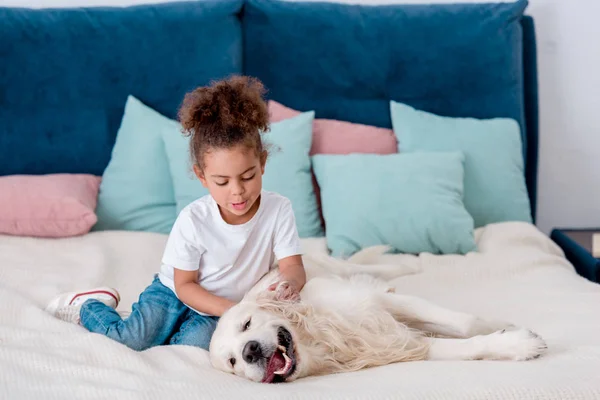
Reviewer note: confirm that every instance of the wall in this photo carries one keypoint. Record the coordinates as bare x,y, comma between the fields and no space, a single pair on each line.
569,61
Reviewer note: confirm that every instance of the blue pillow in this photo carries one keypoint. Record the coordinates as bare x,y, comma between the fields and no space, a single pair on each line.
412,202
136,192
494,187
288,169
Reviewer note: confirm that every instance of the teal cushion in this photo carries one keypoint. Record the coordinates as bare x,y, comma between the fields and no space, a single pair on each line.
412,202
186,186
288,169
494,187
136,189
149,179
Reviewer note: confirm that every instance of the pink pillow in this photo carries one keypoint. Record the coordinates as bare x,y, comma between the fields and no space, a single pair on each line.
341,137
57,205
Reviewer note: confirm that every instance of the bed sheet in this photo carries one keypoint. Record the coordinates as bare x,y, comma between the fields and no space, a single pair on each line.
518,275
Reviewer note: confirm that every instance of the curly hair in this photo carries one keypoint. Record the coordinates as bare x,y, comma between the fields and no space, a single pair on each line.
225,114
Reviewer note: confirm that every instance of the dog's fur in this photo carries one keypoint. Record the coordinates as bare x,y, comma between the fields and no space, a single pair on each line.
348,318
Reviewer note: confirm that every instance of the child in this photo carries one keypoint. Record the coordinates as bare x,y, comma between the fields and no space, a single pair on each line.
220,245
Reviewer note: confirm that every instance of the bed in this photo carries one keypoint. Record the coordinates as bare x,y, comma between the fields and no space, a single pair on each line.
520,276
99,74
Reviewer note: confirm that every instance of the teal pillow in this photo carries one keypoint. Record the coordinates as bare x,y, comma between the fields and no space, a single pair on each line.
288,169
494,187
412,202
149,179
136,190
186,185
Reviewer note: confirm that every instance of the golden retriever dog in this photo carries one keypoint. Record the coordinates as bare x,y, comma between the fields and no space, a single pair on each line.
348,317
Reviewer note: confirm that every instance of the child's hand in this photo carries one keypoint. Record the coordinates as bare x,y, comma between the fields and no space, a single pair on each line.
285,291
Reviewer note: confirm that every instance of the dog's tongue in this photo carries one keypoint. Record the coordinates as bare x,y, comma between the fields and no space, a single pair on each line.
275,364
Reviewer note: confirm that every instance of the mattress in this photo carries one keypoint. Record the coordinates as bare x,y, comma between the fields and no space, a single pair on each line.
518,275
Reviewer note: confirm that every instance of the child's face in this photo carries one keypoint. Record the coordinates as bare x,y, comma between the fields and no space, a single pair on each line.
234,179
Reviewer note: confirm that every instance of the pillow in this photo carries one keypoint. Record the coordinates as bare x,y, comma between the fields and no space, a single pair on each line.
149,179
185,185
54,205
494,187
341,137
412,202
136,192
288,169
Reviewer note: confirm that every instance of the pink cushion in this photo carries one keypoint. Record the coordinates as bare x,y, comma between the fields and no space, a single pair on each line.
57,205
341,137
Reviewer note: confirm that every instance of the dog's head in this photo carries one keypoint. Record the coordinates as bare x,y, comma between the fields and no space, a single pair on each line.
256,343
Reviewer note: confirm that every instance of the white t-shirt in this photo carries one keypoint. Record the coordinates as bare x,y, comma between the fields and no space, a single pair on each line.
230,259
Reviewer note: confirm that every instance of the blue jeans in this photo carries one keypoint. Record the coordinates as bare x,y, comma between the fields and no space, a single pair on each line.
158,318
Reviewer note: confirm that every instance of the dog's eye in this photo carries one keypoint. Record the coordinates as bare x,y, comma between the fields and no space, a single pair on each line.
232,362
246,325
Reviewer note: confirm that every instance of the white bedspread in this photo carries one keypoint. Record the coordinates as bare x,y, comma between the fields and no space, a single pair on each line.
519,275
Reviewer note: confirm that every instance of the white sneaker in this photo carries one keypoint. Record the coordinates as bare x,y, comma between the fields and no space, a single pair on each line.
67,305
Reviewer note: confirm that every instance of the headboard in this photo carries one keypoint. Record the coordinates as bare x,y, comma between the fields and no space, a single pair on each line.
66,73
530,94
347,62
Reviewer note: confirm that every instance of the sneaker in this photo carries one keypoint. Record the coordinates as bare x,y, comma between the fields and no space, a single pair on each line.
67,305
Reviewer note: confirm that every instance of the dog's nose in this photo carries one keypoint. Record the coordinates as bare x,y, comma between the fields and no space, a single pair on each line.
252,352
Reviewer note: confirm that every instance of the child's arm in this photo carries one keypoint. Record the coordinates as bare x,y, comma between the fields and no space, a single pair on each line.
288,251
291,269
195,296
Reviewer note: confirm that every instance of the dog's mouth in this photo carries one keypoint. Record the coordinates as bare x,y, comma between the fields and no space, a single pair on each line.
282,363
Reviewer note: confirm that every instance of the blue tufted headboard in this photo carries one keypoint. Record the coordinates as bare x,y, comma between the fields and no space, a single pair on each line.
347,61
530,95
65,73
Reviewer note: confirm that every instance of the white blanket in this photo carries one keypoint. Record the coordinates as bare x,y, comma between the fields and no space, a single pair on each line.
519,275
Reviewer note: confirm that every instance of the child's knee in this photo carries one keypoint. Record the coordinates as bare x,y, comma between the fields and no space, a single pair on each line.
196,339
197,332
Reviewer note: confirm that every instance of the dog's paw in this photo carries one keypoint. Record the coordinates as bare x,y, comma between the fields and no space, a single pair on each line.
515,344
